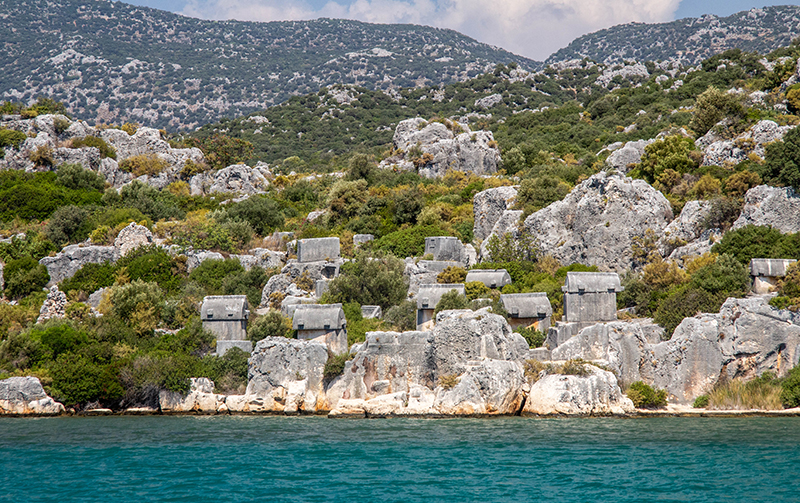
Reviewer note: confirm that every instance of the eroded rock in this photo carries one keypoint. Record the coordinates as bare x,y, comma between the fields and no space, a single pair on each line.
778,207
25,396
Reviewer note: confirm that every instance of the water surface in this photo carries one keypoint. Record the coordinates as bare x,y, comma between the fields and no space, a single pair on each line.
269,458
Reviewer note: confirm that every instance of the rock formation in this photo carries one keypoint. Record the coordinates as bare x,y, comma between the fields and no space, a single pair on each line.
624,155
71,258
597,222
235,179
753,141
745,339
488,207
597,394
432,149
25,396
131,237
778,207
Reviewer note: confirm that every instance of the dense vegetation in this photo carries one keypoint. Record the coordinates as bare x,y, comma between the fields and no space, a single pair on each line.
552,129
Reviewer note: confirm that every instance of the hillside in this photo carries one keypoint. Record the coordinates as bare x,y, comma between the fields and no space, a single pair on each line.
113,62
689,39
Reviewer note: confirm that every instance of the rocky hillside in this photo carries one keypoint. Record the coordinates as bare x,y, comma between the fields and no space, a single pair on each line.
689,39
113,62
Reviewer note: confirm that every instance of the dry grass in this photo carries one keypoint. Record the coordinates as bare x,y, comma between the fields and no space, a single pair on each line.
739,395
448,381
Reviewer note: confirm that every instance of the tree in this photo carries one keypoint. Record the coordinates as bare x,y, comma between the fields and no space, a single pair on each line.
370,280
262,213
222,151
670,154
451,300
782,161
712,106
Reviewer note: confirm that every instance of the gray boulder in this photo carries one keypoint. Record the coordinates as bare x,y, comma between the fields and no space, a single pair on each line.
688,227
778,207
597,221
474,152
508,223
25,396
468,364
630,153
109,168
285,375
597,394
745,339
196,257
200,398
88,157
489,101
131,237
235,179
67,262
488,206
754,140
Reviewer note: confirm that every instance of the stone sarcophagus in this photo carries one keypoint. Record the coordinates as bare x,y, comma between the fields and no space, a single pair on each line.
590,297
528,310
226,317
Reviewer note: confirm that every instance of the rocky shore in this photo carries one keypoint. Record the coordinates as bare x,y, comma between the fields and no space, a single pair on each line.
471,364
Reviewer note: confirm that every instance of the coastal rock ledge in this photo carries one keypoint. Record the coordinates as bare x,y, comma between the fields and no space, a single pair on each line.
25,396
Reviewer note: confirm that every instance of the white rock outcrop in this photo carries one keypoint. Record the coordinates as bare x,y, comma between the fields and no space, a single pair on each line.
778,207
598,220
25,396
596,394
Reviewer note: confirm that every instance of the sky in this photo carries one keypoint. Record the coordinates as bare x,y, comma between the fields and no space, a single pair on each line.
531,28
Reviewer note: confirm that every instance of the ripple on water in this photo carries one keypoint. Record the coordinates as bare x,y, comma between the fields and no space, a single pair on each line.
257,458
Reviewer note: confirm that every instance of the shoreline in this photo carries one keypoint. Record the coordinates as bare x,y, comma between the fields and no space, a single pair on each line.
670,411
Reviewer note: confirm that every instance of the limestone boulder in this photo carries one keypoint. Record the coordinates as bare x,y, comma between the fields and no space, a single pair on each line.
778,207
131,237
721,152
488,206
196,257
597,394
67,262
200,398
685,229
598,220
440,150
109,168
630,153
286,375
508,223
26,396
235,179
88,157
745,339
469,364
261,257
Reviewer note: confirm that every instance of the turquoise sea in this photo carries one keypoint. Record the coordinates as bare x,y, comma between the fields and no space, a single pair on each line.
271,458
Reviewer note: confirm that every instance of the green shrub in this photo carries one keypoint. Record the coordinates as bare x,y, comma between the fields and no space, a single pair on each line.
370,280
138,165
262,213
21,351
154,264
535,338
452,274
752,241
24,276
11,138
100,144
250,283
191,168
403,316
210,274
782,161
452,300
271,324
726,276
89,278
155,204
135,297
73,176
37,195
229,372
78,380
712,106
701,402
645,396
222,151
69,224
408,242
476,289
683,303
790,392
60,338
334,367
510,248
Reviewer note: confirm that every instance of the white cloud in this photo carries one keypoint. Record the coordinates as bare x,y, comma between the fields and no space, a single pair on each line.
533,28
